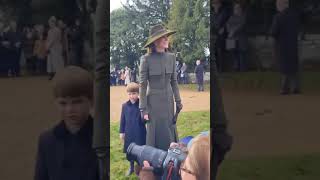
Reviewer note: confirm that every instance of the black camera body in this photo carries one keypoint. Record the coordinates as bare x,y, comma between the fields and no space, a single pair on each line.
164,163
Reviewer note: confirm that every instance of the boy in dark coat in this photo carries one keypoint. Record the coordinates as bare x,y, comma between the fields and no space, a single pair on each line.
132,127
65,151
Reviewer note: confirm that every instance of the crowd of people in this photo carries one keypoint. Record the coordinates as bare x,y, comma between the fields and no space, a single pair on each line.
230,24
229,27
43,49
122,77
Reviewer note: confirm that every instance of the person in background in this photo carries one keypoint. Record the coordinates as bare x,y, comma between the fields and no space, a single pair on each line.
28,46
4,49
133,75
64,39
39,50
119,77
113,78
184,73
122,77
76,38
199,71
132,126
127,76
285,30
55,61
15,46
235,28
178,68
222,12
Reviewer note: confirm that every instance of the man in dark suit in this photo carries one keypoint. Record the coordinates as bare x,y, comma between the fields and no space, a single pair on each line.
65,151
15,43
285,30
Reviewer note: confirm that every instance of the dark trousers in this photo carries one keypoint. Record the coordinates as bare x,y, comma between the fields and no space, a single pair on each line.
290,82
41,66
4,64
14,65
31,64
77,59
200,85
185,80
179,78
239,59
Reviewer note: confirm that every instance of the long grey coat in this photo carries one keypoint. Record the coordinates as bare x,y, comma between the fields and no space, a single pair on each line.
159,86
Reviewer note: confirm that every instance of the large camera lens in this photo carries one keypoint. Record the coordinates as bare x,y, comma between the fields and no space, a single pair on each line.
154,156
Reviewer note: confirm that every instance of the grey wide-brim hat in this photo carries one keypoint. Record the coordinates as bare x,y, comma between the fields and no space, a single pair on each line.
157,32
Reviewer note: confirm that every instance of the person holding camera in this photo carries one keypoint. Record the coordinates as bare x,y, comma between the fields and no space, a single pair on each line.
159,89
196,165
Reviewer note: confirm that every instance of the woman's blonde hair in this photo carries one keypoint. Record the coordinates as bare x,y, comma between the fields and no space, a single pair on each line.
199,157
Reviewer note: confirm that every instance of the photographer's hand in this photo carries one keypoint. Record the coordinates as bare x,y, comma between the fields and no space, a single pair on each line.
146,172
146,166
174,145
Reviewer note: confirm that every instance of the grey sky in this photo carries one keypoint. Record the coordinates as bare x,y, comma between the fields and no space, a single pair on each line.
115,4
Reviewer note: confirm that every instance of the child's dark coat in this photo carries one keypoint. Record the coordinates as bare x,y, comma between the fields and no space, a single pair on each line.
132,125
63,156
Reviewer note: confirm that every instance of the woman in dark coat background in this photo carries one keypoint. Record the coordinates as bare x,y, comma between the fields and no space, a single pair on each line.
285,29
159,89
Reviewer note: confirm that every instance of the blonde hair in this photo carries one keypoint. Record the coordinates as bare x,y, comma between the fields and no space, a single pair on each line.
133,87
199,157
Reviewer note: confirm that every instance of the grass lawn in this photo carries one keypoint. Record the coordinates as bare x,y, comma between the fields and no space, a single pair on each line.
303,167
266,81
189,123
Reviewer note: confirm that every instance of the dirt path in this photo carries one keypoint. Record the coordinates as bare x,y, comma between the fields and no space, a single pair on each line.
269,124
192,101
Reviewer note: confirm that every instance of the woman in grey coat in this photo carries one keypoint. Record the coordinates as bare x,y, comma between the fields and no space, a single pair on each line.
159,89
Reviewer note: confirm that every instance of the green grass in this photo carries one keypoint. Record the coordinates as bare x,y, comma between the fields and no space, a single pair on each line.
266,81
304,167
189,123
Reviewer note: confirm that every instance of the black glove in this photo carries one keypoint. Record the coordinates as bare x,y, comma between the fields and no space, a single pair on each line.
179,106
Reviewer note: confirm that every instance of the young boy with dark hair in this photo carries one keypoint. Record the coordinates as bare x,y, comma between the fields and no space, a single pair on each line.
64,151
132,127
